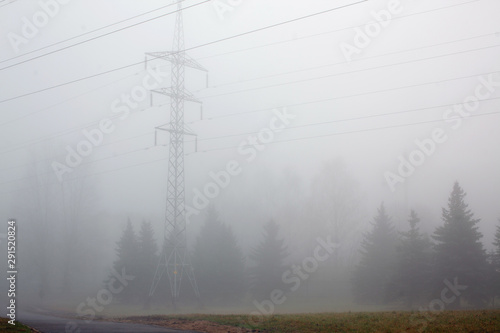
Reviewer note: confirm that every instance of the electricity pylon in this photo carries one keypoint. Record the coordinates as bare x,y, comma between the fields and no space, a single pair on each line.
174,257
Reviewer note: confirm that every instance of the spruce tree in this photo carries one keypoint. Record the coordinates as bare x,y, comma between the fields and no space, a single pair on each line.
496,250
269,257
459,253
218,261
147,260
413,264
127,249
495,267
374,273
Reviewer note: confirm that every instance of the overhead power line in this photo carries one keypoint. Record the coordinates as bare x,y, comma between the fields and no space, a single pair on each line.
68,99
267,76
7,3
191,48
289,128
250,133
153,10
233,147
62,156
68,131
339,62
100,36
349,72
259,110
81,35
345,119
358,131
210,43
399,17
127,66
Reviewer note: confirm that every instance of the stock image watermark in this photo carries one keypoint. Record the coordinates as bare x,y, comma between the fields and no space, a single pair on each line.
122,108
448,295
249,149
104,297
372,29
30,27
425,148
293,278
225,6
11,270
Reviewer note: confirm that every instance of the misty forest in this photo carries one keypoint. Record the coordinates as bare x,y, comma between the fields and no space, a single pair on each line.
399,268
381,267
250,166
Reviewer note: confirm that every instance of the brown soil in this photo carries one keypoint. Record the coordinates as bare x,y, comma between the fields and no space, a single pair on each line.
194,325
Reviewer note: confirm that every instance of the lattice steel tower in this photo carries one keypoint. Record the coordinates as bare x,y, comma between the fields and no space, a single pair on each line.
174,257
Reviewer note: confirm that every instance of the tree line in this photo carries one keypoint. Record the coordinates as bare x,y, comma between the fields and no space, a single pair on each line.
413,269
220,267
407,269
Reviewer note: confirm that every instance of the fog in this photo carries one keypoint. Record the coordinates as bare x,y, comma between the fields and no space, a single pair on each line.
346,121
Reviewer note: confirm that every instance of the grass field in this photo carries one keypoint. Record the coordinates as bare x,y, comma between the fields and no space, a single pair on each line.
6,327
394,322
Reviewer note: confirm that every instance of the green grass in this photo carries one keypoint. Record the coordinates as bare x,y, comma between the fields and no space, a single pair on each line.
390,322
6,327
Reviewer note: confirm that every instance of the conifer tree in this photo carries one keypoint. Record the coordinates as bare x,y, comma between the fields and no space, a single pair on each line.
495,267
218,261
459,253
413,265
127,249
269,257
375,271
147,259
496,250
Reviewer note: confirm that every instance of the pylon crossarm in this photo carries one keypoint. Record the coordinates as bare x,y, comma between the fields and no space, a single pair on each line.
182,95
177,57
190,62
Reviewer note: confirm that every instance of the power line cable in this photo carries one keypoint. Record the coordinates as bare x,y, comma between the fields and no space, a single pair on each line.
289,128
69,130
349,72
64,155
357,131
361,70
232,147
123,67
347,119
84,34
259,110
268,76
141,62
69,99
250,133
344,73
8,3
262,77
333,31
191,48
148,12
344,62
103,35
362,94
81,164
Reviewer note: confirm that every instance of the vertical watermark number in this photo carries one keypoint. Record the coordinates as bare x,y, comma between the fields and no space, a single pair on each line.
11,270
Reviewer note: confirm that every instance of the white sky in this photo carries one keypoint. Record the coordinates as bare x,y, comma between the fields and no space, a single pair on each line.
436,49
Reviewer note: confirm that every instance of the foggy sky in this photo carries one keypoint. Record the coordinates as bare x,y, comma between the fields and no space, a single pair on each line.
240,72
